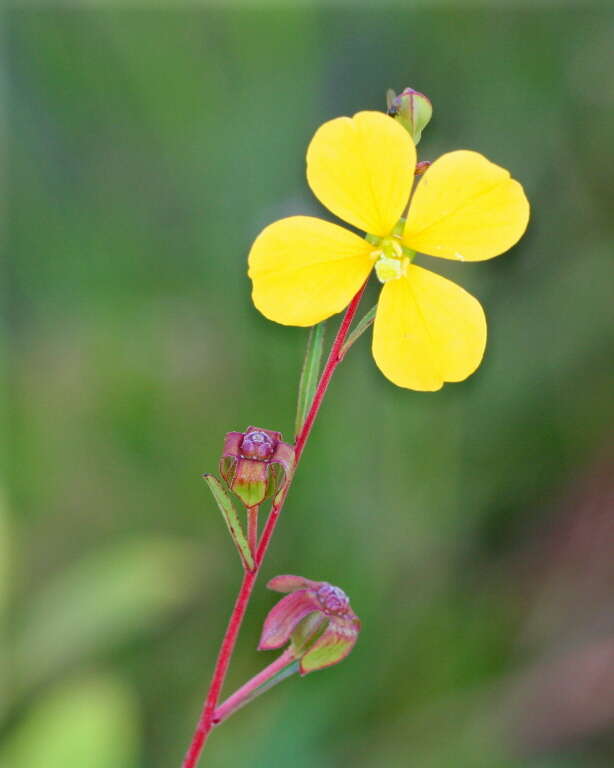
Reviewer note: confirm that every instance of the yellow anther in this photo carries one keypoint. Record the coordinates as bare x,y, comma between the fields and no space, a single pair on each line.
390,269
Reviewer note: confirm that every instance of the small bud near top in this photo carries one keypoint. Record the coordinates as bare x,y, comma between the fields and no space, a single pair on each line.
422,167
256,464
316,617
412,109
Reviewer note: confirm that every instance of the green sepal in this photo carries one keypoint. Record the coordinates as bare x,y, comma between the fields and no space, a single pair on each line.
251,481
333,645
412,109
399,227
277,481
310,373
229,513
307,631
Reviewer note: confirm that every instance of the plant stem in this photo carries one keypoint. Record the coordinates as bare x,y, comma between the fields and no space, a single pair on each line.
252,529
206,721
284,666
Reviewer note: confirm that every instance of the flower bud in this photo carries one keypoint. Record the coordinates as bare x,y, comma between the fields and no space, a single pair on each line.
315,617
257,445
412,109
256,464
333,600
422,167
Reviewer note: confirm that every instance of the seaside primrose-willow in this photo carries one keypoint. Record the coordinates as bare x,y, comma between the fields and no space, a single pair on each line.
428,330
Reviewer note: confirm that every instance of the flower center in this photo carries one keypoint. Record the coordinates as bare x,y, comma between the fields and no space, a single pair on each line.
390,262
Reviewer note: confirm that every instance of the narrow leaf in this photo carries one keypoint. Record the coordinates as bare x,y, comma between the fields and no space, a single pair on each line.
310,373
361,326
231,517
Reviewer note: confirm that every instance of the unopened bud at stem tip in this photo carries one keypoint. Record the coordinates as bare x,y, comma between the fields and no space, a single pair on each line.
412,109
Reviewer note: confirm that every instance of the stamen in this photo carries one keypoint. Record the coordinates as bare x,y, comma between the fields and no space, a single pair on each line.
390,269
390,262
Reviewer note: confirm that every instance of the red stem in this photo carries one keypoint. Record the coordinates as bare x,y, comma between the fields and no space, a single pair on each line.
206,721
241,696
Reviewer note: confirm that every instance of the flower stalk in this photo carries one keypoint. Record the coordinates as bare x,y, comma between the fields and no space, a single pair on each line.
252,529
283,667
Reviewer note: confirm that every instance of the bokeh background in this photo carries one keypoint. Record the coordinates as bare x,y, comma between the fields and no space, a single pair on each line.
472,528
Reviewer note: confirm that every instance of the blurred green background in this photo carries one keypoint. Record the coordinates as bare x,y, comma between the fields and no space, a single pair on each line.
472,528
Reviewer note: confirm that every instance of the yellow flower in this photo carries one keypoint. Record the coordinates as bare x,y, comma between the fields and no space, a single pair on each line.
427,329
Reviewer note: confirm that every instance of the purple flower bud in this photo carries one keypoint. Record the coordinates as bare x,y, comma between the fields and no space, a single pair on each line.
256,464
316,617
333,600
257,445
422,167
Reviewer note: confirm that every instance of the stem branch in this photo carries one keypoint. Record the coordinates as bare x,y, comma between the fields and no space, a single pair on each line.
279,670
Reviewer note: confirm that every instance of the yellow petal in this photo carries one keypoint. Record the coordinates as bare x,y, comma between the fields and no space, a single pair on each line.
303,269
466,208
428,330
362,169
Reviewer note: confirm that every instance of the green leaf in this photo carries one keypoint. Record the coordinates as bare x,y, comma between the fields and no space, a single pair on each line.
231,517
102,600
361,326
89,722
310,373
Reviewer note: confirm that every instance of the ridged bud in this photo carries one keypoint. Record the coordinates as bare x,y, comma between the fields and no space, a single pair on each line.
257,445
412,109
256,464
315,617
333,600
